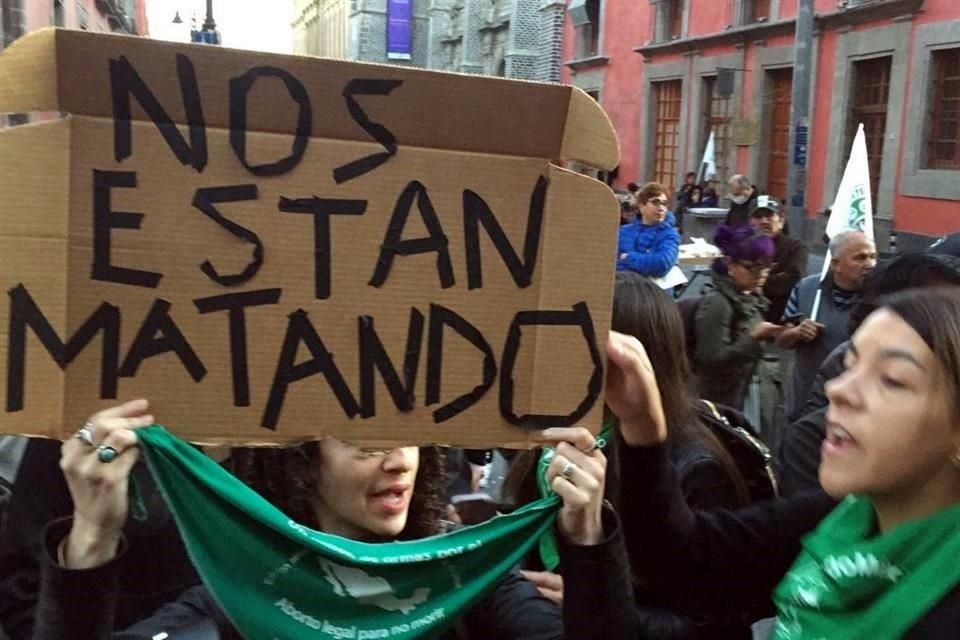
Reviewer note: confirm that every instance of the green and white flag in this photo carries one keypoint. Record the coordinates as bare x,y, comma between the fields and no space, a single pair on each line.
852,208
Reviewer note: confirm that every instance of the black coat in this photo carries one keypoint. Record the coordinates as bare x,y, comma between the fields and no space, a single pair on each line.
733,559
705,484
40,495
789,266
739,214
799,454
80,605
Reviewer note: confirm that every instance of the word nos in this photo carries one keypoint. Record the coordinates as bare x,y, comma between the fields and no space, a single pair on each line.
159,332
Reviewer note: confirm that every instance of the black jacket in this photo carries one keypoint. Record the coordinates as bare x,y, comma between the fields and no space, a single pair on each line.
152,586
733,558
40,495
705,484
739,214
80,605
789,265
798,458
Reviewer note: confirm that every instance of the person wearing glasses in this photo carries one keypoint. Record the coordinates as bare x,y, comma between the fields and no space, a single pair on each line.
729,323
650,245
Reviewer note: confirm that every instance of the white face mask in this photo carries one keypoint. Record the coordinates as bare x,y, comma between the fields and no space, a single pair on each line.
741,198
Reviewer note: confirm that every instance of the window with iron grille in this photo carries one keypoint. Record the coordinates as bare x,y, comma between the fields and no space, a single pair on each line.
871,93
716,117
943,142
666,145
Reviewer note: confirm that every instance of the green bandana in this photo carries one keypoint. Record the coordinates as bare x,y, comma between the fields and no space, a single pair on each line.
848,582
276,579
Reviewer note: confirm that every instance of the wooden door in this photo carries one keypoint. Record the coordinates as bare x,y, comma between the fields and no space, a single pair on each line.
779,88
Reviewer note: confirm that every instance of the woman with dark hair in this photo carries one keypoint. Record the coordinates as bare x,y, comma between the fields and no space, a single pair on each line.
799,452
339,489
729,324
882,563
707,474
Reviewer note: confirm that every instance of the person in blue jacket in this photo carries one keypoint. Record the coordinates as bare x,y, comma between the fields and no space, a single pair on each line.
650,245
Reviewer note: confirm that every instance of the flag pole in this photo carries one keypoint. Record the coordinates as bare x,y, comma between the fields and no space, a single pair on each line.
852,208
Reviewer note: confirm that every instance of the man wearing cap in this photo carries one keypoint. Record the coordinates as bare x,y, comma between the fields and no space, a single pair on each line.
789,260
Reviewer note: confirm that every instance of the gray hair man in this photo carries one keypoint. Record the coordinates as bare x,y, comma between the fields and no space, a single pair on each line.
743,197
852,256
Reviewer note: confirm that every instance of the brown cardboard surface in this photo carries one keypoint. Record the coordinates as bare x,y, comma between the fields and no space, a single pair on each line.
454,138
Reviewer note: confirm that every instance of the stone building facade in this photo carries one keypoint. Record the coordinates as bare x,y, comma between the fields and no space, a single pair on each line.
320,27
508,38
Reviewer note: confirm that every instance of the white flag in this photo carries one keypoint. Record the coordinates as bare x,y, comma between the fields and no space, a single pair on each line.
852,209
708,166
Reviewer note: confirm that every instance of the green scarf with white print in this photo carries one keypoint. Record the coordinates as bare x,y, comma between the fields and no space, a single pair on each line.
278,580
851,582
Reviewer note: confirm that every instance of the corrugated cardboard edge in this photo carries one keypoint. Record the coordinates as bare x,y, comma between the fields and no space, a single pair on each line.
589,136
48,174
32,57
30,81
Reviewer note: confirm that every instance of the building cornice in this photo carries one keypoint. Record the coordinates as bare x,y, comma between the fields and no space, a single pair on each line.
847,15
582,64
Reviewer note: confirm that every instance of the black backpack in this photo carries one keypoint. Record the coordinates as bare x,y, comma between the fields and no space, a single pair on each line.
739,438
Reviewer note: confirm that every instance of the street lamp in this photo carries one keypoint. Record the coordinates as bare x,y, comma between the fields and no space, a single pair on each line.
208,34
176,18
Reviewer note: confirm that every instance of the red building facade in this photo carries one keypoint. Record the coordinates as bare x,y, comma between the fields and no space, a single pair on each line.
670,71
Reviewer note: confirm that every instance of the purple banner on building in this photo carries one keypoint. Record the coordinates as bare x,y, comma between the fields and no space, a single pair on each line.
399,29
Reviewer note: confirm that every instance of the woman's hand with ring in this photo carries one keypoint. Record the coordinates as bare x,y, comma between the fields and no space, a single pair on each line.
577,474
97,465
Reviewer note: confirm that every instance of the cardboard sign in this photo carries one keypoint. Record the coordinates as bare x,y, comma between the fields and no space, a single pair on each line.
274,248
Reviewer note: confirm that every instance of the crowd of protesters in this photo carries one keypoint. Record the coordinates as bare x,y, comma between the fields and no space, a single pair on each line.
682,527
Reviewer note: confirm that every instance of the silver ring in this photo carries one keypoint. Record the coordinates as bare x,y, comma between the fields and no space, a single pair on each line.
568,469
599,443
106,454
85,434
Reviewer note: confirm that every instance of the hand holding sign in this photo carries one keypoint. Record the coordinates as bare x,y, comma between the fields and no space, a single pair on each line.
632,392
